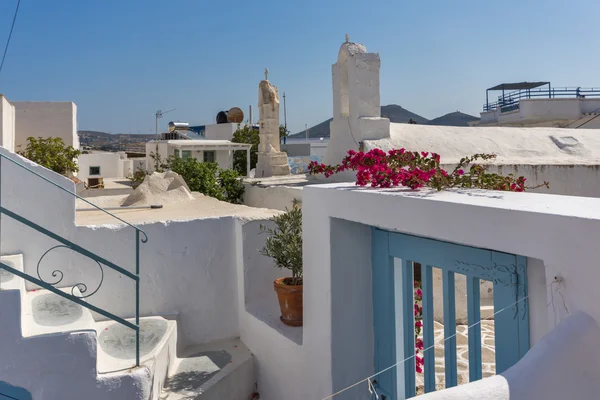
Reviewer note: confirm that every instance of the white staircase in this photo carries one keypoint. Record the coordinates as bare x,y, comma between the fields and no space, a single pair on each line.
55,349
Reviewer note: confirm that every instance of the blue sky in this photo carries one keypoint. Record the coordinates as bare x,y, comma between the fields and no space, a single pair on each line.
121,60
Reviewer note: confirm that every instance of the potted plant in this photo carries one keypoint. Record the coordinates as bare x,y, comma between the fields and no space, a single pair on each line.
284,246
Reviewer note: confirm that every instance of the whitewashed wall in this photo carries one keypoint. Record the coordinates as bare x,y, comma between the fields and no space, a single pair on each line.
273,197
163,150
555,233
7,124
46,119
188,268
220,131
138,163
111,165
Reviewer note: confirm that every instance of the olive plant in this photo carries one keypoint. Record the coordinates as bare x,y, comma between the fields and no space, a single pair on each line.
284,242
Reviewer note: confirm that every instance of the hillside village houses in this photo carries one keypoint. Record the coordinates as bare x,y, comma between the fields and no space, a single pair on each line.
177,302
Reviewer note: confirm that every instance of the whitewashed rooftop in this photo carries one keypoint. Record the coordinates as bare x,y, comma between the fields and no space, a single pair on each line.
549,146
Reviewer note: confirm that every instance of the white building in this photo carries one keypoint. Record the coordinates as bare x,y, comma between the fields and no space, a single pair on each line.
219,151
22,119
100,164
539,104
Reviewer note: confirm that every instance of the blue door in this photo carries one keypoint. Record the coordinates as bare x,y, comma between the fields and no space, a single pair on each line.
394,255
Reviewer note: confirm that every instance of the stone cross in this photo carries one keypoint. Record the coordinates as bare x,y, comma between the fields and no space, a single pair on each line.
266,74
347,38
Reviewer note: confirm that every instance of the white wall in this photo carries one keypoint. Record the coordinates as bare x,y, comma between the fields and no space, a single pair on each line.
111,165
7,124
187,267
550,108
555,233
224,159
138,163
278,349
220,131
164,152
272,197
126,169
46,119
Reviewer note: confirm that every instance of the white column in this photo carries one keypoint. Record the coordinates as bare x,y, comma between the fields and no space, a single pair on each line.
247,162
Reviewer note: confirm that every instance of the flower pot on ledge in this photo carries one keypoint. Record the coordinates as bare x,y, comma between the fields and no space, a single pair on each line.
290,301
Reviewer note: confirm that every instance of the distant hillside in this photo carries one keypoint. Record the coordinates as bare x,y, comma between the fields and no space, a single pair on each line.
394,112
397,114
113,142
400,115
454,119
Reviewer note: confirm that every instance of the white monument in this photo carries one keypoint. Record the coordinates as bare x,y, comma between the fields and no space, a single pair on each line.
356,102
271,161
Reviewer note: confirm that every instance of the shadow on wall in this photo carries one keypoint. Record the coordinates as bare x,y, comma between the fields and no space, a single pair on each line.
9,392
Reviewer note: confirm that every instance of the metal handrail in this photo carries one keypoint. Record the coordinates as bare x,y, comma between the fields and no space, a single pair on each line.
516,96
99,260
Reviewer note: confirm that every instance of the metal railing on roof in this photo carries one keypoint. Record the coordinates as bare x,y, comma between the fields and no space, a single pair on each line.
510,98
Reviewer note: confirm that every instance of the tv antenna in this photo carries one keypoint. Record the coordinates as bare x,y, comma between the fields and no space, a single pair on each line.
159,114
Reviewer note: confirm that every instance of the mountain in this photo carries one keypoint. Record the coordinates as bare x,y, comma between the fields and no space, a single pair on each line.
400,115
397,114
454,119
317,131
394,112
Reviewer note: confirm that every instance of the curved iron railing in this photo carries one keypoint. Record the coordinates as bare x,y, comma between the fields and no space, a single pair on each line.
65,243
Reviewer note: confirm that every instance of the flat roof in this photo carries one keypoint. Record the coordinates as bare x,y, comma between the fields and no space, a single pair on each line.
518,85
225,144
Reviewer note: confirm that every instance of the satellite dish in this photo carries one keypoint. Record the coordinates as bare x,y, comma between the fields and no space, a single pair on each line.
222,117
235,115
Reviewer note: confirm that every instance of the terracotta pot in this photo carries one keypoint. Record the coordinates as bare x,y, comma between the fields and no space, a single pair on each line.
290,302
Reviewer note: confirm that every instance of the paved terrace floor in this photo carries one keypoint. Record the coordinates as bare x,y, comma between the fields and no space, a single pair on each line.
200,207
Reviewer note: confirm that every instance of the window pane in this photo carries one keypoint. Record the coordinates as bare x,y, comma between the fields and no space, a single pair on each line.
176,152
186,154
209,156
94,170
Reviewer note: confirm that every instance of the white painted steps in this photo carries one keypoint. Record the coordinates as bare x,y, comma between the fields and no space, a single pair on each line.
220,370
44,312
7,280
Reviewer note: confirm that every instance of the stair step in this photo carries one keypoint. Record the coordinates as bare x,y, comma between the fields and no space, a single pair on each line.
116,342
8,280
44,312
219,370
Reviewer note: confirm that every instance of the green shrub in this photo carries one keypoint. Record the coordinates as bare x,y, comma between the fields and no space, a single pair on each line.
233,187
204,177
51,153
